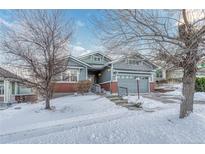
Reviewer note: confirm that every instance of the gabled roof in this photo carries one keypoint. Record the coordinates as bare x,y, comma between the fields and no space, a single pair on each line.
7,74
79,61
92,53
122,57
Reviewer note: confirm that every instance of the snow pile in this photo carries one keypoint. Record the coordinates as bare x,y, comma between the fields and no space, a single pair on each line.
199,96
152,105
134,99
148,105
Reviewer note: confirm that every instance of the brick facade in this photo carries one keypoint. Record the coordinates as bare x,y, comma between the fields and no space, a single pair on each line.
65,87
107,86
71,87
152,86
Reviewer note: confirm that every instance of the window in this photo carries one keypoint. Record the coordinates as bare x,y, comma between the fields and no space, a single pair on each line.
133,62
159,73
97,59
70,75
13,87
22,89
1,88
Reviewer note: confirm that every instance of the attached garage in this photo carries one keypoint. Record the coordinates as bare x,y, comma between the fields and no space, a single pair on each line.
129,81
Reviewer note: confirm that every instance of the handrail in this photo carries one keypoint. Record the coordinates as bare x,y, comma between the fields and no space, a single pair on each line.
96,88
126,91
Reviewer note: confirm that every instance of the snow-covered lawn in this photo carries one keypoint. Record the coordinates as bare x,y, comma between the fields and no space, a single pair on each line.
94,119
198,96
32,116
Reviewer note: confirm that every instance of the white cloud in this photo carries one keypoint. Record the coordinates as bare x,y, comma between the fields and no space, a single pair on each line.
80,23
79,43
5,23
78,50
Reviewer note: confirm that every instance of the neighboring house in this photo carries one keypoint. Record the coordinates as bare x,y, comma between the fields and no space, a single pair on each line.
168,72
10,89
175,74
110,74
160,74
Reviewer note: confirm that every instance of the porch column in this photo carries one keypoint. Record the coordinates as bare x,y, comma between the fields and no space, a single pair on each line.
86,73
151,78
6,91
16,89
164,74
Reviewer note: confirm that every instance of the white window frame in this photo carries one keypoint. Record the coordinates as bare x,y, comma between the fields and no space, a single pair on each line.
69,72
97,57
2,85
135,62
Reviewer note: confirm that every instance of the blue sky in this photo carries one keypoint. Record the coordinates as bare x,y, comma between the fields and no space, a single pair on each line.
84,36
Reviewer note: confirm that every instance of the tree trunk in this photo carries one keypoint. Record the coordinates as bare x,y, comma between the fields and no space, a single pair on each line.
47,103
188,90
48,97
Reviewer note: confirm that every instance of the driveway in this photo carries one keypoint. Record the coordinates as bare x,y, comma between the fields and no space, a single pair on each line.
167,98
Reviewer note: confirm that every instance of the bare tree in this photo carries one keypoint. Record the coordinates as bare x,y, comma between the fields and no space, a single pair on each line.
174,36
38,43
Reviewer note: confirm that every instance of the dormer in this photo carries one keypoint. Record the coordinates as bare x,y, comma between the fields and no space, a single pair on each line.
95,58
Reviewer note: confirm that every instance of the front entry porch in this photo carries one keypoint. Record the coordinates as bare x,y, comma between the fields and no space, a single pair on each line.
101,80
94,76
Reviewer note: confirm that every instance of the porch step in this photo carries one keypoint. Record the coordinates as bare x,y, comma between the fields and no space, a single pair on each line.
115,98
120,101
112,96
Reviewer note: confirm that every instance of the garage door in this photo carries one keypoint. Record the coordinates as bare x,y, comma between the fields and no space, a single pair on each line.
131,83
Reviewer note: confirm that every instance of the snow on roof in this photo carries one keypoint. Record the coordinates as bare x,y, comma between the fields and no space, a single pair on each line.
96,52
115,56
6,74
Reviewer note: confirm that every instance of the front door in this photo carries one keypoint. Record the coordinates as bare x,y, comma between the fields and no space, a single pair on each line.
92,78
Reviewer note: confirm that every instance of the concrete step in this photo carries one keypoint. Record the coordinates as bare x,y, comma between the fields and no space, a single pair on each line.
134,108
115,98
112,96
120,101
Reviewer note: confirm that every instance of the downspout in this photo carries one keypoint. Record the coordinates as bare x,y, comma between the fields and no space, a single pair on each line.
86,73
111,73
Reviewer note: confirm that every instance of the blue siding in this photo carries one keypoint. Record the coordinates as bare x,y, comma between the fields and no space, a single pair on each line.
82,75
142,66
74,63
90,59
105,75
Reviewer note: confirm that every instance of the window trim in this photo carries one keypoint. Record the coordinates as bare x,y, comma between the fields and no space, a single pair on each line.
136,62
69,81
2,85
98,57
